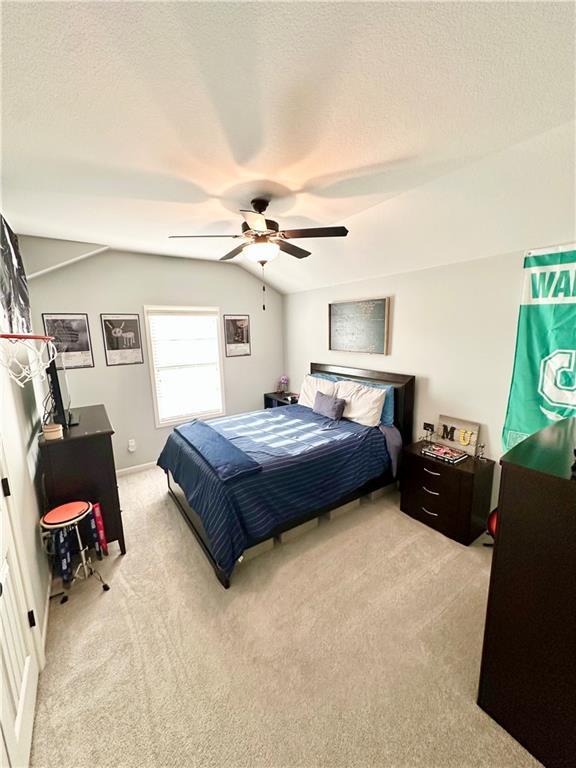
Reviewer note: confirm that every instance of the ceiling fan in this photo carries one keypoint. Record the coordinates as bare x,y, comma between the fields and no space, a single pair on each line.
263,238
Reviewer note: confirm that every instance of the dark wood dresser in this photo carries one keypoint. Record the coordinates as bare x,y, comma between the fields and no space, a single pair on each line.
528,674
454,499
81,466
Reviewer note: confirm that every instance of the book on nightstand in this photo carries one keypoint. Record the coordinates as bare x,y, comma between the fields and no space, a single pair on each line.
444,453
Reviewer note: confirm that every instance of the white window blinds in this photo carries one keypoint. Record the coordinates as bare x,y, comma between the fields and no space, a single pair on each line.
186,365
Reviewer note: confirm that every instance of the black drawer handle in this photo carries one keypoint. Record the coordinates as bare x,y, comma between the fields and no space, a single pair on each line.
432,493
436,474
434,514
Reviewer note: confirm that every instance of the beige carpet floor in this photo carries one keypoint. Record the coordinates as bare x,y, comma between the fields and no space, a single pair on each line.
356,645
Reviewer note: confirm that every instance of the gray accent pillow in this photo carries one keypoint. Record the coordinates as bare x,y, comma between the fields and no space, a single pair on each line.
332,407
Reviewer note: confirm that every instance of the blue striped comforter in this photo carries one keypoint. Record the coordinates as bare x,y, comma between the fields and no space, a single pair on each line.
308,462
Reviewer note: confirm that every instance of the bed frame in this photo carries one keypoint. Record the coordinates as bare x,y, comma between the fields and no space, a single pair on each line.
403,419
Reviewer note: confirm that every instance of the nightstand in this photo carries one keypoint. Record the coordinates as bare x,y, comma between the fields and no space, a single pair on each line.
454,499
274,399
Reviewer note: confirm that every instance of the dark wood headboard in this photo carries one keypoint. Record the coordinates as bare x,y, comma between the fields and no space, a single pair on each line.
403,392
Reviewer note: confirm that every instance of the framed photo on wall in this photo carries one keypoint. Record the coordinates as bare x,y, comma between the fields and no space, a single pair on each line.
71,334
360,326
122,339
237,335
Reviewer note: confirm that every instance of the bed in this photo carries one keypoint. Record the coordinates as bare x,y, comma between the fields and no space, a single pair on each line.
244,479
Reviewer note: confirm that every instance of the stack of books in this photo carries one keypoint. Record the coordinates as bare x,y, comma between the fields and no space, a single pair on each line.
444,453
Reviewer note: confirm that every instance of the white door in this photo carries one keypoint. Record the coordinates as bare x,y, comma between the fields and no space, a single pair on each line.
19,667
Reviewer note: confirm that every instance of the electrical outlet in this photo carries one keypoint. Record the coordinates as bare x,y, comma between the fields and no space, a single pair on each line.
131,445
428,427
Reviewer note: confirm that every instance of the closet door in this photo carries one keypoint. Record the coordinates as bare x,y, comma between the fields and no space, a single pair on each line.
19,667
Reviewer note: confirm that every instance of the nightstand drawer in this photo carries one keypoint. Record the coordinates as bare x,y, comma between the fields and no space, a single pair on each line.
434,471
437,483
435,511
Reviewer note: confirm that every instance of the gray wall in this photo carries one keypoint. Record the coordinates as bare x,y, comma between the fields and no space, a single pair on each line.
453,327
118,282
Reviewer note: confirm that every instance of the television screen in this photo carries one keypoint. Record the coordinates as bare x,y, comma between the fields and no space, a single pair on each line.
63,382
61,413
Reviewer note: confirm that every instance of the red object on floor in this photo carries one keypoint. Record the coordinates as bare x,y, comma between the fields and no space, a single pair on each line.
97,512
492,524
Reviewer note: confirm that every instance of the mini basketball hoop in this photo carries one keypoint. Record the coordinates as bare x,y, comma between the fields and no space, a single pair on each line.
26,356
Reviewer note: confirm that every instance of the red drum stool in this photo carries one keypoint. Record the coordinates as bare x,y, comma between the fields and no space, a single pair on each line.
492,526
493,523
68,516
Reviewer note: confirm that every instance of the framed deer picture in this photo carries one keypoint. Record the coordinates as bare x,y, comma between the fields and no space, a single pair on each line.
122,339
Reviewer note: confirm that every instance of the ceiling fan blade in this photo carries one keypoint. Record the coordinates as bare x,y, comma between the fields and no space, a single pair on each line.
289,234
174,237
293,250
235,252
256,221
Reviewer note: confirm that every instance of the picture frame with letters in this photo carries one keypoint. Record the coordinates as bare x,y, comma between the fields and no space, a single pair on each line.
458,433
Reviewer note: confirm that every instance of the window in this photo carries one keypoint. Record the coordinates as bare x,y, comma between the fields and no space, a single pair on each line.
185,362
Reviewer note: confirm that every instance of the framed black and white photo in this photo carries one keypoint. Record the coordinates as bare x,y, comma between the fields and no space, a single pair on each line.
122,339
237,334
72,339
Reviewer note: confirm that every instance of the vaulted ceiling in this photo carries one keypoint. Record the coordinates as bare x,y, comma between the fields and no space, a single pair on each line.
126,122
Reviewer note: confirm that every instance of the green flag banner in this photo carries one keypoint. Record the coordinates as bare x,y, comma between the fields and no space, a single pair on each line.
543,388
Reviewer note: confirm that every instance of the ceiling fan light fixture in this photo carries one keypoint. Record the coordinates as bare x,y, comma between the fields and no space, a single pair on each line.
262,238
261,252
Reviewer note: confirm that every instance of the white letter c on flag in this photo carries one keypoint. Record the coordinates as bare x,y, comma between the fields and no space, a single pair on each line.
550,386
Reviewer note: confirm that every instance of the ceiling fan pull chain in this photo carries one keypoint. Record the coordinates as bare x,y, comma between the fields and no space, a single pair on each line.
262,264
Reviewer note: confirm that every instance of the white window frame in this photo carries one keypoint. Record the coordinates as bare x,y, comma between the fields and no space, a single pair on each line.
167,310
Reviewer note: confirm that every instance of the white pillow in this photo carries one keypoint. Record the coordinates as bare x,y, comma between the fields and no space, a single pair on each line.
363,404
311,385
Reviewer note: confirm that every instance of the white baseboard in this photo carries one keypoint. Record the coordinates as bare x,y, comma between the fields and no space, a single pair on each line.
135,468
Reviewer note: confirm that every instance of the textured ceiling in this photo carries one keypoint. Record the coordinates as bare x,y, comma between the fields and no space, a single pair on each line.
125,122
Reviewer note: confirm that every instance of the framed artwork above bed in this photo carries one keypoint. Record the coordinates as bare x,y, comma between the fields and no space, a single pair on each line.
360,326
